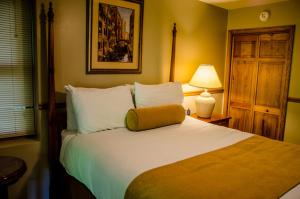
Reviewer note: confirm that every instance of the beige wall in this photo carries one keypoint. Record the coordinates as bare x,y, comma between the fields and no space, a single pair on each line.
201,39
285,13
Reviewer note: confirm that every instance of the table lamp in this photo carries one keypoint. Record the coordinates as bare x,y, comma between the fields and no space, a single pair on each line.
205,77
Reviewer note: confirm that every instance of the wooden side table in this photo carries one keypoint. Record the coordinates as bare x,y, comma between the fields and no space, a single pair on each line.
11,169
218,119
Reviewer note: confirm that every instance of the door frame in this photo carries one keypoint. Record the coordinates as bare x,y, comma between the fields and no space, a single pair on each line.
229,53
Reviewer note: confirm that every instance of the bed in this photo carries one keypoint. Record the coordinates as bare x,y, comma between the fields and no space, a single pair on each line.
192,159
121,155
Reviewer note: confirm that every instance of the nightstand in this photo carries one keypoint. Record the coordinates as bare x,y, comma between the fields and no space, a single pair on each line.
11,169
218,119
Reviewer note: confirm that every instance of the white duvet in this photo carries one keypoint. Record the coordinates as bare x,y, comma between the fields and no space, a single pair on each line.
106,162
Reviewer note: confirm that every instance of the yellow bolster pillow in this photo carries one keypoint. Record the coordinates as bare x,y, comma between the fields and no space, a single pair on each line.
153,117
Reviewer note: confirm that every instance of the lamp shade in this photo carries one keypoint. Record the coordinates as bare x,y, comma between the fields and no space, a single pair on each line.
206,77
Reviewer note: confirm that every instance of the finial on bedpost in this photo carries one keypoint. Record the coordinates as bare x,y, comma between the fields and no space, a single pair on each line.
50,41
43,14
172,67
174,29
50,13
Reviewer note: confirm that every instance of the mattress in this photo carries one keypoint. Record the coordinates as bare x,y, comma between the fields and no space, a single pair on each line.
107,161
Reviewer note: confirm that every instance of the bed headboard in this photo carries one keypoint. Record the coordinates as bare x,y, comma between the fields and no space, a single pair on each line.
56,112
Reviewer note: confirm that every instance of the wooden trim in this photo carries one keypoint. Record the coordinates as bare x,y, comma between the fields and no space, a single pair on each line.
255,82
291,31
227,72
263,30
172,67
294,99
212,91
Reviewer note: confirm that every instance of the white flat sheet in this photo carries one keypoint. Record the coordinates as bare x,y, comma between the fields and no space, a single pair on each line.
106,162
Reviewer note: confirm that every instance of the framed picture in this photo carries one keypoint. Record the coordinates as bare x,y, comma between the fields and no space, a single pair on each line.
114,36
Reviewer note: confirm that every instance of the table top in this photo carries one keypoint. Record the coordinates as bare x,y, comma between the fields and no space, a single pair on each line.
11,169
215,117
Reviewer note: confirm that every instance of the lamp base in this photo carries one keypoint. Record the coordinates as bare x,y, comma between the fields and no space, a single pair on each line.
205,104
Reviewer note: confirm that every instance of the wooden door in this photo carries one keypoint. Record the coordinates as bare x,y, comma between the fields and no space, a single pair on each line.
272,85
266,125
242,80
258,80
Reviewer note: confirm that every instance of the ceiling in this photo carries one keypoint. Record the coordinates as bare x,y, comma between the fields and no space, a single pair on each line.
234,4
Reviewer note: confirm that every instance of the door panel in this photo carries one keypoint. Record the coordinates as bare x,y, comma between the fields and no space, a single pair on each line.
269,84
273,111
266,125
273,45
241,119
241,82
245,46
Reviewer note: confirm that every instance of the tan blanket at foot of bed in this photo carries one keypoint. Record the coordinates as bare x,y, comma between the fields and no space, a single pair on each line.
257,168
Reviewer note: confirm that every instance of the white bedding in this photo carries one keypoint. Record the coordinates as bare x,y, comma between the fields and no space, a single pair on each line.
106,162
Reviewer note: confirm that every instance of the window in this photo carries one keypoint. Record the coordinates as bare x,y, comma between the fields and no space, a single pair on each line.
16,68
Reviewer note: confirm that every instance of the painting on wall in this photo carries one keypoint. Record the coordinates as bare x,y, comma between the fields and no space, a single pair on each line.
114,36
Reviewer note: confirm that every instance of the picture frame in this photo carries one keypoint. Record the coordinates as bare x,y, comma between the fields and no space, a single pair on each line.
114,36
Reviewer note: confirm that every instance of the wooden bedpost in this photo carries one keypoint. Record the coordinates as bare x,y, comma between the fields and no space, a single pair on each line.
52,134
172,67
56,174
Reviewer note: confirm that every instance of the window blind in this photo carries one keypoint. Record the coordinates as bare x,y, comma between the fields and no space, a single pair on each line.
16,68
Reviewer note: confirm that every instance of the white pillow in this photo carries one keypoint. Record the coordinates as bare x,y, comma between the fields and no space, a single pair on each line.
71,120
159,94
100,109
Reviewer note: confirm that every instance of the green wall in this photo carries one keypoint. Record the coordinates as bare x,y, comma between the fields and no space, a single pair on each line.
284,13
201,39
